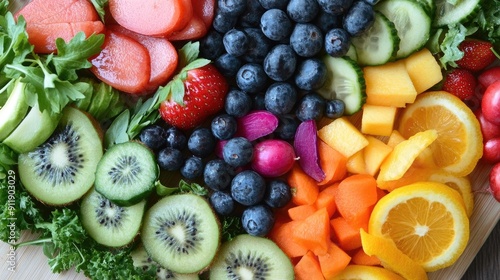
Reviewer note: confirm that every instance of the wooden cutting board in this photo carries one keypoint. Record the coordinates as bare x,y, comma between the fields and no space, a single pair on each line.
30,261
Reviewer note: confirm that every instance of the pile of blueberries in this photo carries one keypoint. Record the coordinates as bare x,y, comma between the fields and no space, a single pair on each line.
272,49
234,188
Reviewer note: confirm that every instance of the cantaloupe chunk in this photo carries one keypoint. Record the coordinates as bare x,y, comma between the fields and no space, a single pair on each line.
378,120
389,85
343,136
356,163
374,154
395,138
423,69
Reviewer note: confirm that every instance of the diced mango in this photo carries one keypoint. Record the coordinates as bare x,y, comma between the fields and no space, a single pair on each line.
378,120
395,138
425,158
343,136
424,70
389,85
356,163
374,154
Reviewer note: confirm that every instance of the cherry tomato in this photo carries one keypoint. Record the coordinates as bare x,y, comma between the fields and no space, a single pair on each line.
490,105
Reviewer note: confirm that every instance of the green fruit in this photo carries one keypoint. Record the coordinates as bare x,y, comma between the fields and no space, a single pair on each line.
14,110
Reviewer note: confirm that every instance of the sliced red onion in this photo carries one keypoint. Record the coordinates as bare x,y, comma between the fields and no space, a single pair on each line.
306,148
257,124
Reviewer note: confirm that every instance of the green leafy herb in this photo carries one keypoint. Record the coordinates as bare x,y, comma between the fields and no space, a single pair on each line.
146,113
231,227
100,6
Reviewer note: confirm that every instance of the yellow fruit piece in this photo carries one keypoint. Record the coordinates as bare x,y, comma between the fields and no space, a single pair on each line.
391,257
404,154
426,220
343,136
353,272
389,85
374,154
378,120
460,184
424,159
412,175
395,138
423,69
459,145
356,163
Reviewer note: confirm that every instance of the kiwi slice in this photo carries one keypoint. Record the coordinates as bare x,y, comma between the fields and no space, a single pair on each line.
109,224
143,261
181,233
62,169
251,257
126,173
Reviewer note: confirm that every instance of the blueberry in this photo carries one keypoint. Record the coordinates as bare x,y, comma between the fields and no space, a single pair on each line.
237,151
248,188
278,193
223,22
201,143
335,7
217,174
192,168
306,39
232,7
259,45
223,126
334,108
257,220
251,16
237,103
337,42
311,74
271,4
359,18
280,98
326,21
280,63
222,203
302,10
153,136
311,107
251,77
275,24
259,102
176,138
170,159
228,65
235,42
287,126
211,46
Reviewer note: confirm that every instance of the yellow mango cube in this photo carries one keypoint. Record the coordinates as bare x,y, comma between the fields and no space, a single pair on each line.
378,120
343,136
424,70
395,138
356,163
374,154
389,85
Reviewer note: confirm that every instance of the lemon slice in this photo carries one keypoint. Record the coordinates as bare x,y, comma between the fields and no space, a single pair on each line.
426,220
391,257
458,147
352,272
404,154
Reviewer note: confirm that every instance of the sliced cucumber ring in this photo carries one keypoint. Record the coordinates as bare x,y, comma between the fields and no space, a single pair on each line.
447,13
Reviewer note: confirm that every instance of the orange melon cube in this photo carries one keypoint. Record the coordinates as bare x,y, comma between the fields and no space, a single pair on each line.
374,154
356,163
343,136
423,69
378,120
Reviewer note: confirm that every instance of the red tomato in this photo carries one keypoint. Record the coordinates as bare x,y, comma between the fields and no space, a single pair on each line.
490,105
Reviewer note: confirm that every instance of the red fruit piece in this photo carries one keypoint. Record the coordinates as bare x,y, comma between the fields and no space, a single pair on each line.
203,95
489,76
494,187
56,11
123,63
477,55
460,82
490,104
489,129
491,150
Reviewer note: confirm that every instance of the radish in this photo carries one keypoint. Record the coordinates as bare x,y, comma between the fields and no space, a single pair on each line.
273,157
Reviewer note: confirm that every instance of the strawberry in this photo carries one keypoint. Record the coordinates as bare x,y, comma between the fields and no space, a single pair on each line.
460,82
477,55
197,92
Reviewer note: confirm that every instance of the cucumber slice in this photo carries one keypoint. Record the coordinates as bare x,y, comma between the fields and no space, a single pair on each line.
126,173
447,13
344,81
411,21
379,44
